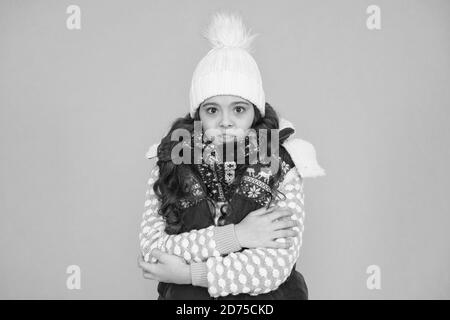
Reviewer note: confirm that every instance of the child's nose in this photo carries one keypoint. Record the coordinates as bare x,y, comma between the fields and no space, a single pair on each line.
226,121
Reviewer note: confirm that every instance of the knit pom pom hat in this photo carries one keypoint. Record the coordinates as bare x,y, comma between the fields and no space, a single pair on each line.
228,68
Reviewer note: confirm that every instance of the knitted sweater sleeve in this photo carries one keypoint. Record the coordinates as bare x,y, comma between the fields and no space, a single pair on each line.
260,270
193,246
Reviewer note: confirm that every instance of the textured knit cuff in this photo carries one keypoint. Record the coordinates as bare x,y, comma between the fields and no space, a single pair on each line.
226,240
199,274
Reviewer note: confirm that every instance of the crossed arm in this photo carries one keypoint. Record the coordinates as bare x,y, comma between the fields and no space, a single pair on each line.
213,254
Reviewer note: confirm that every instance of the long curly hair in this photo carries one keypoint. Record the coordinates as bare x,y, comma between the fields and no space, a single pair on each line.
172,184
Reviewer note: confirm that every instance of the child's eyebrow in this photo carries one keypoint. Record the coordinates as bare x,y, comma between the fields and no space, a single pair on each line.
239,102
210,103
217,105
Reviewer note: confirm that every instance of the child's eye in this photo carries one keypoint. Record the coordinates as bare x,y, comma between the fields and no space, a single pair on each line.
239,109
211,110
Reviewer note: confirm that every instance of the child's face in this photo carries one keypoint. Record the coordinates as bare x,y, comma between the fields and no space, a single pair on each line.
226,117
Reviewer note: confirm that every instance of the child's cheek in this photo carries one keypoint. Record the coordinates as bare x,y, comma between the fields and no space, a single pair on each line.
245,124
210,123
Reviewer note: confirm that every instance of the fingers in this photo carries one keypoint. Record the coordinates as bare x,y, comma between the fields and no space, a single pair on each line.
280,213
281,245
289,218
147,267
285,224
262,211
285,233
149,276
157,254
150,271
162,257
140,259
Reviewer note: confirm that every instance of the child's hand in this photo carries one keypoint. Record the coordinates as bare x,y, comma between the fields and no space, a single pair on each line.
261,227
169,268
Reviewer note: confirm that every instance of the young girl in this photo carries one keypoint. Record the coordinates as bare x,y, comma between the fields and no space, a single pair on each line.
219,227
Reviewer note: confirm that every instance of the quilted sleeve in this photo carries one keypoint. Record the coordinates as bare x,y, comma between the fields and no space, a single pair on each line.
260,270
193,246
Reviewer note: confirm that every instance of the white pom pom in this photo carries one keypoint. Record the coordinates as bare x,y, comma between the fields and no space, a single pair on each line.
228,30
